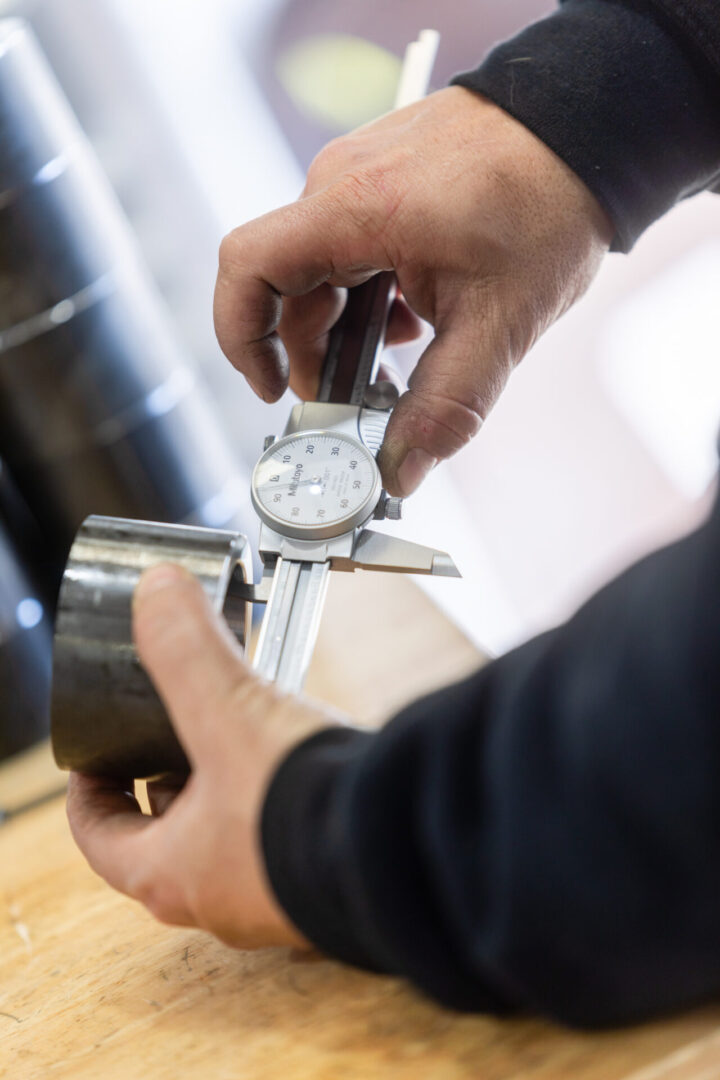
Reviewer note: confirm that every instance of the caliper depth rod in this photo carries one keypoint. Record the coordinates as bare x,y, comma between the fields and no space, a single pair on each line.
292,619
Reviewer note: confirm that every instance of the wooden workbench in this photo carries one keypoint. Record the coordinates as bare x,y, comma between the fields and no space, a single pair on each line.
91,987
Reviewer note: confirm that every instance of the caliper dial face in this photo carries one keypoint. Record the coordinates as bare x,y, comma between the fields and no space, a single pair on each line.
315,484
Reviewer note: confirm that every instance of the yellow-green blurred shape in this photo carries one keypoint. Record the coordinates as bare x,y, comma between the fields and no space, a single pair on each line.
340,80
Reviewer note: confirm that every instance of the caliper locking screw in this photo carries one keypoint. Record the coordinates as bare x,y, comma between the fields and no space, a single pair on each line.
389,507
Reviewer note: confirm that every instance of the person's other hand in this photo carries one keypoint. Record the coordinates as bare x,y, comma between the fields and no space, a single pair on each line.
492,237
197,861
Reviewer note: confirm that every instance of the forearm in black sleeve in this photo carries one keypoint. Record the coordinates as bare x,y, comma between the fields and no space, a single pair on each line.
626,92
543,836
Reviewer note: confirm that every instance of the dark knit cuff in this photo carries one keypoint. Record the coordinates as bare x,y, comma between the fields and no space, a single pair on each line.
619,95
297,826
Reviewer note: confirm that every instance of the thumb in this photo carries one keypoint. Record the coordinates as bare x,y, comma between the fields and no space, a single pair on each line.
449,394
189,652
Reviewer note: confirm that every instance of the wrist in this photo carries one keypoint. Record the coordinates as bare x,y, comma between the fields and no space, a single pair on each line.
619,98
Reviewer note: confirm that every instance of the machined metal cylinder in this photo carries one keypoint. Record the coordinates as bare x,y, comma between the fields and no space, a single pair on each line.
100,410
25,651
106,716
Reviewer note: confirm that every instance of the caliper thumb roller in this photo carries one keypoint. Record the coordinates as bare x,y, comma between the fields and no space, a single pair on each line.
314,489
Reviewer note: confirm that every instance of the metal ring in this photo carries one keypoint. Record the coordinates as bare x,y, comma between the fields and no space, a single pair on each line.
106,716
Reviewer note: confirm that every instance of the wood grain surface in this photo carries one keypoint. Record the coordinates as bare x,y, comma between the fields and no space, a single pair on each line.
92,987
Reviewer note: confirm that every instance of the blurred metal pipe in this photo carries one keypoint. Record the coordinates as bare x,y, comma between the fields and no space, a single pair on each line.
41,562
100,411
25,656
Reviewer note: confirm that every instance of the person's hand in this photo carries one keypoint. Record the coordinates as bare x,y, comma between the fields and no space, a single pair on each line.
197,861
492,237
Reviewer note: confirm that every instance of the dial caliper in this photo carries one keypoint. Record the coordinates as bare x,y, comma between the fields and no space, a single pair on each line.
317,487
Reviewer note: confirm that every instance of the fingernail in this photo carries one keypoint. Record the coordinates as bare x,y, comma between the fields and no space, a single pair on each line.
415,467
158,577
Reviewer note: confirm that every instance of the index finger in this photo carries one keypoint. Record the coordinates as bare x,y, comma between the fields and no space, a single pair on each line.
106,822
289,252
123,846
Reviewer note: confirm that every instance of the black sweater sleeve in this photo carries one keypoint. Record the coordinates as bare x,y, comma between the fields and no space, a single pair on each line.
545,835
626,92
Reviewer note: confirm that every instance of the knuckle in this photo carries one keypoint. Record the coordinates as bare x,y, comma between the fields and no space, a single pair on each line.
229,253
259,315
335,157
364,188
327,161
371,197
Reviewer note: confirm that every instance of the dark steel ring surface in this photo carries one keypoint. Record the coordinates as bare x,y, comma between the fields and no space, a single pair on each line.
106,716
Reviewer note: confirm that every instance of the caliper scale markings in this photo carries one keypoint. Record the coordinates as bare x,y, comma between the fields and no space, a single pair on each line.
314,478
291,624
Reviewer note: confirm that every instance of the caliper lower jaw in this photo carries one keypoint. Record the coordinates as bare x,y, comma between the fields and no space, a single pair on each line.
363,549
380,551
